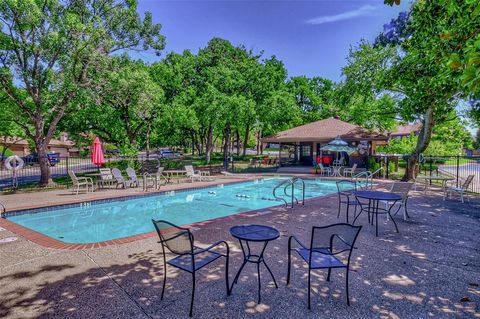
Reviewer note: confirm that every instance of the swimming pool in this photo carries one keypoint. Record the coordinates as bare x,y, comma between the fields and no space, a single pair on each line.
97,221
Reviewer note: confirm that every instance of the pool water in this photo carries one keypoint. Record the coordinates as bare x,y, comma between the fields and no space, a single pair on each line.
93,222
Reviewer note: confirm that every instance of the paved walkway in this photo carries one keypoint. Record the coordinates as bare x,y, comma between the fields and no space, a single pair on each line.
430,269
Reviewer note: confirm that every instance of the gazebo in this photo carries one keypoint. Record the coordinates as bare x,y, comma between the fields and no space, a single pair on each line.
301,145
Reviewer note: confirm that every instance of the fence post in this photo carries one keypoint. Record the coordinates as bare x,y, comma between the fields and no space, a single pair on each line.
388,162
458,167
68,179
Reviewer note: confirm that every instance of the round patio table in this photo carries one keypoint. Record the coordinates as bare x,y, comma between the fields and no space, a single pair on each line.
247,234
374,198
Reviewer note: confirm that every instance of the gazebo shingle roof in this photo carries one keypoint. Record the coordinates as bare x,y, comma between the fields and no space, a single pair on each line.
325,130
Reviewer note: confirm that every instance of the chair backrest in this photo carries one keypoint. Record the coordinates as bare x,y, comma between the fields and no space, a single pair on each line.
401,188
117,175
131,174
336,238
105,173
189,170
468,181
177,239
73,176
346,186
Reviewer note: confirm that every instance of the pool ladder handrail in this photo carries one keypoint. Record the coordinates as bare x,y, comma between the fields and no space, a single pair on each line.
290,183
4,209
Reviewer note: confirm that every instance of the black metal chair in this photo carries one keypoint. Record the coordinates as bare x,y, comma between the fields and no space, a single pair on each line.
345,196
189,258
326,246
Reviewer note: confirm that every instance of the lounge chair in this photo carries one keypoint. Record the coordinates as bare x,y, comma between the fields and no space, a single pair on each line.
460,190
232,175
133,180
402,189
78,182
155,179
106,177
119,179
191,174
350,170
324,169
327,244
180,242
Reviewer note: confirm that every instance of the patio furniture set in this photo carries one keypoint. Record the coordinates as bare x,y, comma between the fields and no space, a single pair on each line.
107,178
337,169
330,248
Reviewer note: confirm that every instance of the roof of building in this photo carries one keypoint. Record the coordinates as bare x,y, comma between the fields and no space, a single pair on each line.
405,130
53,142
324,131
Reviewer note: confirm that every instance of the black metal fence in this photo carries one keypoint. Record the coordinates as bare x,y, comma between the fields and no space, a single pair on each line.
456,167
29,175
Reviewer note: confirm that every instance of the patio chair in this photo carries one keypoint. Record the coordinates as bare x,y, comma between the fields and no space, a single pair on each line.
154,179
119,179
345,196
180,242
133,180
106,177
350,170
327,244
402,189
78,182
325,169
191,174
460,190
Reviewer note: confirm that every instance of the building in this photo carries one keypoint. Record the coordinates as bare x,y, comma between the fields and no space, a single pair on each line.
406,130
63,146
301,145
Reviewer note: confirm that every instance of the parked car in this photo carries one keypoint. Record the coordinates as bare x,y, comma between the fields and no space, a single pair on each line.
166,153
52,157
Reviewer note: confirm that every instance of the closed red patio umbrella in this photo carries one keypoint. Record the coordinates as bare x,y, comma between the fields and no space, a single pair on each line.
97,153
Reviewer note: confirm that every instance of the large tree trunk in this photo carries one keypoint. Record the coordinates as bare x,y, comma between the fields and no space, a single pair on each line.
226,142
209,144
423,140
147,138
238,142
41,148
245,140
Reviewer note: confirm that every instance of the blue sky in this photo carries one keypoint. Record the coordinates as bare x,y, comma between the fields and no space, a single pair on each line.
311,37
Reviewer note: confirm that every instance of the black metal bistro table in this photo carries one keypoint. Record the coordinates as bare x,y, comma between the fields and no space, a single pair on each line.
374,198
247,234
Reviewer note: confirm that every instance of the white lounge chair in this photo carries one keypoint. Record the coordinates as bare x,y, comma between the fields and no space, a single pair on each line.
350,170
78,182
133,180
191,174
460,190
232,175
120,180
324,169
402,189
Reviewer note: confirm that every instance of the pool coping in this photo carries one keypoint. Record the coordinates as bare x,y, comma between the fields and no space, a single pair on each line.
49,242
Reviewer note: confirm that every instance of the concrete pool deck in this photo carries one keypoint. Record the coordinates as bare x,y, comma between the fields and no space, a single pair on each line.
430,269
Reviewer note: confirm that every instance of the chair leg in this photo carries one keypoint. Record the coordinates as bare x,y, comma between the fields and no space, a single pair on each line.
329,272
309,275
164,277
226,274
346,287
193,294
339,208
289,263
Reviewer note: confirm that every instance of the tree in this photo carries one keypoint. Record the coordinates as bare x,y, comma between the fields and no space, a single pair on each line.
127,103
10,132
49,49
313,96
